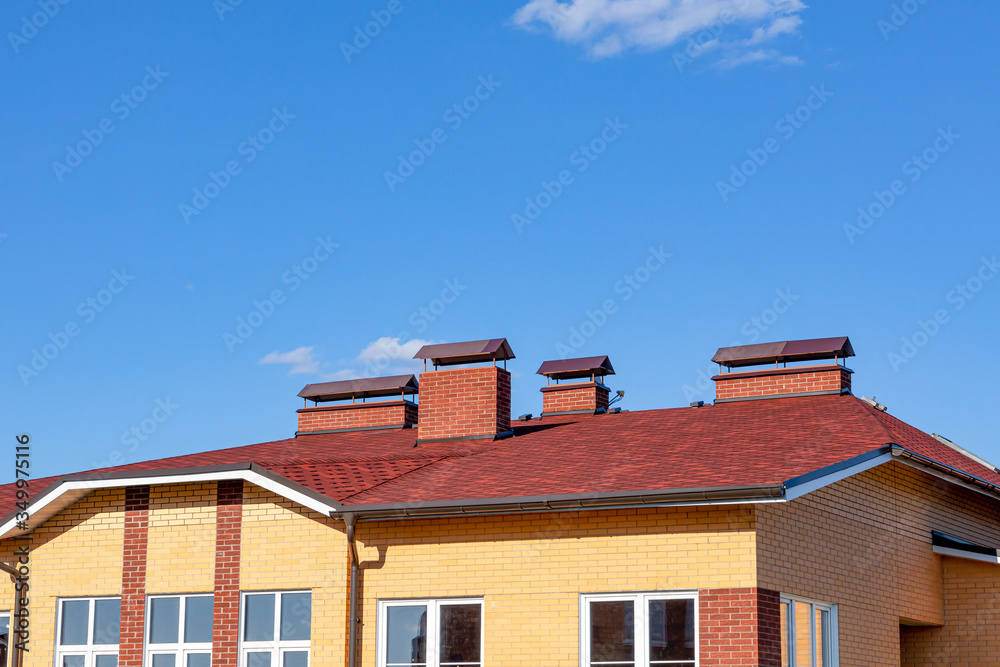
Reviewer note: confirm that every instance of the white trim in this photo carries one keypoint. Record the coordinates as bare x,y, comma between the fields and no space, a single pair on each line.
181,648
54,502
789,640
970,555
433,611
276,646
800,490
89,651
641,602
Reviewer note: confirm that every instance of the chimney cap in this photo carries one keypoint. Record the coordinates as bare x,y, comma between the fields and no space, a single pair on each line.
451,354
361,388
784,351
584,367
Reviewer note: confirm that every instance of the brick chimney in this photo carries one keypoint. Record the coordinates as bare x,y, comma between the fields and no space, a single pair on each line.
590,396
465,403
780,380
360,414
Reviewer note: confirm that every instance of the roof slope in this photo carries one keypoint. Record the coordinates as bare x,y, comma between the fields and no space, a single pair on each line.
733,444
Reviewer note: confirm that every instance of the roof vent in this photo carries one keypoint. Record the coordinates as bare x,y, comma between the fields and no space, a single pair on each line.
875,404
782,380
358,416
588,397
465,403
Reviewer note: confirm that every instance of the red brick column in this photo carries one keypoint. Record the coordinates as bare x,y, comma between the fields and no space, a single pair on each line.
228,533
739,626
133,618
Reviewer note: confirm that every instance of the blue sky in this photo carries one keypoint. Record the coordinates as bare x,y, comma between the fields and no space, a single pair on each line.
209,205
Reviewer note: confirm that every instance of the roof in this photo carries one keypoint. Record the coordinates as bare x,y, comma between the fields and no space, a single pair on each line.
744,445
584,367
450,354
784,351
395,385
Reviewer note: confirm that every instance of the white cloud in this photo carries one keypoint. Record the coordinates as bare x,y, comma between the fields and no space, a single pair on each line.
300,359
610,27
758,56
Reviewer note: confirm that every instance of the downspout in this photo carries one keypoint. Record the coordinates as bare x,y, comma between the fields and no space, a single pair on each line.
352,630
14,652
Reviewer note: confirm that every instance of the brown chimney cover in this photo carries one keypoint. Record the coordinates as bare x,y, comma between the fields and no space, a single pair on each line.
395,385
792,350
451,354
584,367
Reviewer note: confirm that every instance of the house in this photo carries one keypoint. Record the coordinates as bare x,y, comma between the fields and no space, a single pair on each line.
414,522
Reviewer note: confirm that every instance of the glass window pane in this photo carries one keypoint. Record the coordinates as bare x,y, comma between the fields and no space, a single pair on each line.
258,659
165,660
72,661
164,620
612,630
671,629
803,634
199,660
75,619
296,616
259,619
198,620
460,633
406,635
295,659
823,643
107,621
107,661
784,634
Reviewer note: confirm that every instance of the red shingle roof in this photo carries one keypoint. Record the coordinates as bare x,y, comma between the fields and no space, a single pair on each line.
734,444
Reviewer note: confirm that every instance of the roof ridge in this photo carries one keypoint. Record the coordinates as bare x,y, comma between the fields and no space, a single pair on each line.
393,479
873,415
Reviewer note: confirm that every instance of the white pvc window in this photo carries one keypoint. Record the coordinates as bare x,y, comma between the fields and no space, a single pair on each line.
179,631
430,633
639,630
87,632
276,629
808,633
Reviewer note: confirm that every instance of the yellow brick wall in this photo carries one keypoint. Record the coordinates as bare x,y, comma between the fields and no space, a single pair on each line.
180,553
865,544
531,568
288,547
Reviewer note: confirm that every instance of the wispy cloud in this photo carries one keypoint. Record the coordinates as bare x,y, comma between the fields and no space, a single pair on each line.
758,56
610,27
384,356
300,359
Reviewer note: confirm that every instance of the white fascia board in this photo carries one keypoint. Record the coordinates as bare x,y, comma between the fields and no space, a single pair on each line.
970,555
798,490
68,492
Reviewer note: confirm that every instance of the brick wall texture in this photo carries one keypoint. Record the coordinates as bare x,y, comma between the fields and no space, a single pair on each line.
463,402
577,396
228,538
357,415
133,585
739,626
781,381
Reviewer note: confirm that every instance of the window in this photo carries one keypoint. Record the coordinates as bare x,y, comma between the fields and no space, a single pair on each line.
4,637
179,631
276,629
87,632
639,630
431,633
808,633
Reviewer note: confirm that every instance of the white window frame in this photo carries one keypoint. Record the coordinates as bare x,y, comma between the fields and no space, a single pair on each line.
180,649
641,604
790,637
90,650
277,647
433,635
